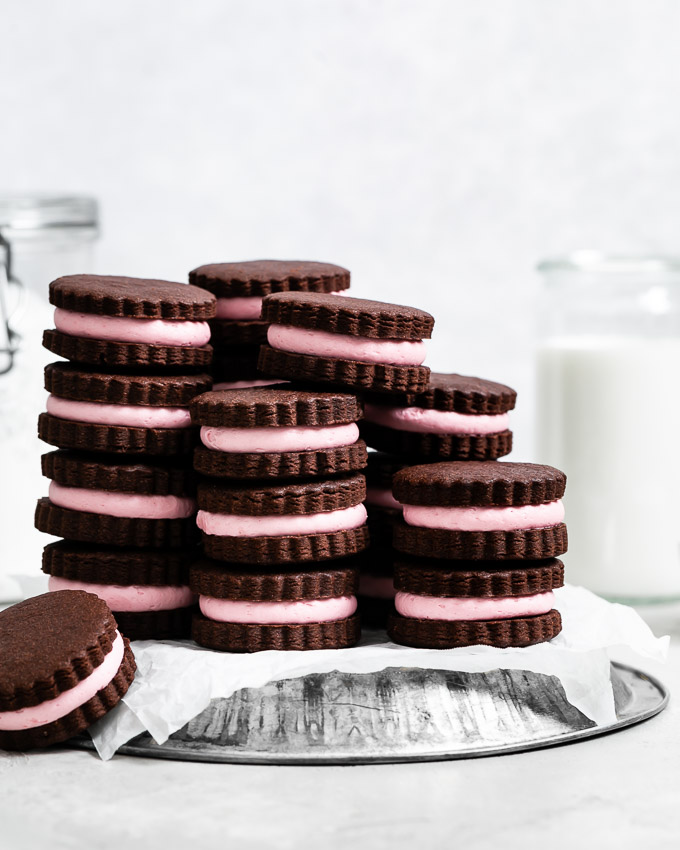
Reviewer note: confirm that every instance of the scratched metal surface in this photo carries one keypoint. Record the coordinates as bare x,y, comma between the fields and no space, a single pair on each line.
398,714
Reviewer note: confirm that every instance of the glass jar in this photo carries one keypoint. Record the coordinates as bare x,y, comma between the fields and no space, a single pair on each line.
41,238
608,403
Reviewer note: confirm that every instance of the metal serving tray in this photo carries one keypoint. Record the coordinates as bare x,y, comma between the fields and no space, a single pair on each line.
396,715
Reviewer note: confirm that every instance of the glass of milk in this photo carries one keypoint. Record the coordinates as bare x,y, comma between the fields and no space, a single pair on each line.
609,416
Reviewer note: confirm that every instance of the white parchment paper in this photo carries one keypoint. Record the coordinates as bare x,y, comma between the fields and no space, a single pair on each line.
175,681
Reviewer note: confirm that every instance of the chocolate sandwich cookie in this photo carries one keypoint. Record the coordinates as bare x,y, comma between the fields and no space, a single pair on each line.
467,603
279,524
456,418
94,498
240,287
243,610
383,509
63,665
277,433
481,511
376,585
123,322
346,342
147,589
122,413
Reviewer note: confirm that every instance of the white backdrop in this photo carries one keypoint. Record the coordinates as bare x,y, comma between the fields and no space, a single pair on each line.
437,148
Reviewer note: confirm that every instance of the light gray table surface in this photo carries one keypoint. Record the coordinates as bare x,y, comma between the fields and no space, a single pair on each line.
620,791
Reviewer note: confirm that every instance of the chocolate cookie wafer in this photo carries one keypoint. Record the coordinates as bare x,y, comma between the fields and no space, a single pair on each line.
245,610
465,603
147,590
455,418
63,665
277,432
481,511
122,322
119,413
346,342
94,498
282,523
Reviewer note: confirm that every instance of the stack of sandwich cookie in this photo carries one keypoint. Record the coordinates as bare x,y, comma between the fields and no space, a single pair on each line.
261,523
238,329
455,418
122,322
147,589
122,481
467,603
481,540
63,665
346,342
277,433
253,609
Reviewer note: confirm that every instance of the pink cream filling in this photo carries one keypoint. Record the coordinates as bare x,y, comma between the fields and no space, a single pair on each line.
377,587
123,329
266,613
244,385
472,608
111,503
131,598
63,704
239,308
381,497
236,525
422,421
486,518
397,352
129,415
299,438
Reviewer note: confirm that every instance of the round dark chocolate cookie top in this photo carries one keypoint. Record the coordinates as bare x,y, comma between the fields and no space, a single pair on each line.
113,565
477,578
465,394
262,277
94,472
50,643
229,581
111,295
309,497
478,483
353,316
268,406
80,383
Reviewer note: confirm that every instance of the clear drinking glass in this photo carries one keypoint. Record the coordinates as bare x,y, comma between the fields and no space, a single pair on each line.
41,238
609,415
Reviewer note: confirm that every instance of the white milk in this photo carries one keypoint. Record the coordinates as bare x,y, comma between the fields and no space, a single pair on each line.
609,416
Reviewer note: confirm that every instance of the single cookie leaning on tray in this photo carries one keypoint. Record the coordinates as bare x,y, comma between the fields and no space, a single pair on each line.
240,287
129,322
346,342
119,413
94,498
467,603
456,418
147,589
481,511
277,433
261,523
63,665
246,610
